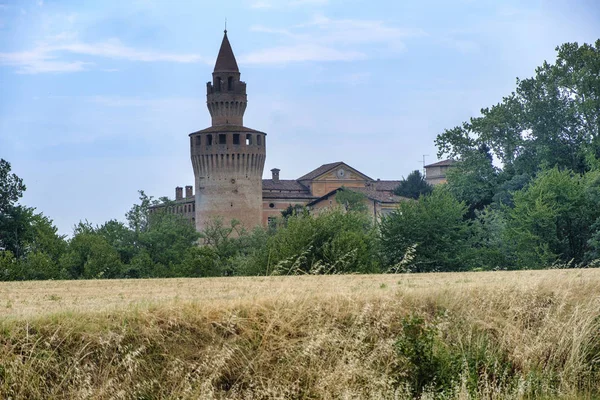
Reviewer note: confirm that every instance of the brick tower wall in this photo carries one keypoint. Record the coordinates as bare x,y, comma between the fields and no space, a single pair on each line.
228,176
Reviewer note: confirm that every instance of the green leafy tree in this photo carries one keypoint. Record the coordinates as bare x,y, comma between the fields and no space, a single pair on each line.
11,187
413,186
550,120
90,256
434,226
333,241
350,200
293,209
553,218
474,179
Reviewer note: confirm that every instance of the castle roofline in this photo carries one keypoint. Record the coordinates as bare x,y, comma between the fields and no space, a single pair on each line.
226,129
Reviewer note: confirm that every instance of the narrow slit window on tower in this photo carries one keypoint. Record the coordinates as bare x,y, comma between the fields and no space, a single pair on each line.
230,83
198,140
209,140
236,138
258,140
248,139
222,138
218,84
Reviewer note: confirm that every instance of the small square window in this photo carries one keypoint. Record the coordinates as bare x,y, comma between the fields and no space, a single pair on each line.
209,140
222,138
248,139
236,138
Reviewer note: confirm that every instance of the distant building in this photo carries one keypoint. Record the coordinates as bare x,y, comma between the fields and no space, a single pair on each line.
318,188
436,173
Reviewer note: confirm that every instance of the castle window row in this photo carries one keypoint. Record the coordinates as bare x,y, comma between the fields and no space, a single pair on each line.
221,139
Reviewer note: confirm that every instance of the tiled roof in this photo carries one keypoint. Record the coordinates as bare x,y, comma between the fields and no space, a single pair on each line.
226,60
283,184
319,171
287,195
227,129
386,186
442,163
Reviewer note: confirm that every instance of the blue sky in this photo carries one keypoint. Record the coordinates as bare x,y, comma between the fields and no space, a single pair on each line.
97,97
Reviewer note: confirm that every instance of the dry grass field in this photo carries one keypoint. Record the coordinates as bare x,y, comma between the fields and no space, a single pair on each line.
528,334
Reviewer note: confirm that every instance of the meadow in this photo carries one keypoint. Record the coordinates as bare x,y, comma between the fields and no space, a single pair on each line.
504,334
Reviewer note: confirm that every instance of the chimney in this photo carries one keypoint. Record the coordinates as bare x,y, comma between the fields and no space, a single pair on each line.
275,174
178,193
189,191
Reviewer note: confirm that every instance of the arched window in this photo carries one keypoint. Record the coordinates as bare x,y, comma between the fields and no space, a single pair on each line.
230,83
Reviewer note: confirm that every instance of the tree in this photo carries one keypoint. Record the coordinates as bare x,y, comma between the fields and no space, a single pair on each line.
435,225
90,256
553,218
350,200
11,187
334,241
413,186
474,179
550,120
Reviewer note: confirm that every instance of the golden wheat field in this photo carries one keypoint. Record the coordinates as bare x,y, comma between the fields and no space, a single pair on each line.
526,334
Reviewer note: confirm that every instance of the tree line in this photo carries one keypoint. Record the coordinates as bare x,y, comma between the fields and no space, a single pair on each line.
524,193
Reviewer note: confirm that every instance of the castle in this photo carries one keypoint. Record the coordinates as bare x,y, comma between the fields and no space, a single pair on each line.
228,161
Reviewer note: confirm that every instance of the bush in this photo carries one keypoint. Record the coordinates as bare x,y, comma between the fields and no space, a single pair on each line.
333,241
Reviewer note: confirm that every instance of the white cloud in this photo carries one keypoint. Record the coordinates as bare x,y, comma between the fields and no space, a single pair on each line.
49,56
326,39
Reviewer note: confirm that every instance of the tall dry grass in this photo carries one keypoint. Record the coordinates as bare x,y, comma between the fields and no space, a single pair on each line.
532,334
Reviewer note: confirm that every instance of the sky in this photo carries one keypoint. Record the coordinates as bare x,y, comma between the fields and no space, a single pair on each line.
97,98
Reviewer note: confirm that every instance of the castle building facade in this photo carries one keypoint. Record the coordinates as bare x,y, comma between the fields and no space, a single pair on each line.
228,161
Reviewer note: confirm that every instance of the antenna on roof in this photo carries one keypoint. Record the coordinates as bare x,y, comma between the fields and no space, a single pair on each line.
424,155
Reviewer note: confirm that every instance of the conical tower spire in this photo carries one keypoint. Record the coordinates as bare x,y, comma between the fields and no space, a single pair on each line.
226,95
226,60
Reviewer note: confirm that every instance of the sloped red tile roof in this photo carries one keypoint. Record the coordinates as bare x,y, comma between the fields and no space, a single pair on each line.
284,184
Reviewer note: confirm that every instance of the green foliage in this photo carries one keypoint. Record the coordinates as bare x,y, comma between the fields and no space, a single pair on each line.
473,180
488,248
295,209
550,120
432,363
334,241
11,187
413,186
350,200
553,217
435,224
90,256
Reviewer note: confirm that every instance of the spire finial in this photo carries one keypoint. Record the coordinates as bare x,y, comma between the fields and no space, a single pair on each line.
225,25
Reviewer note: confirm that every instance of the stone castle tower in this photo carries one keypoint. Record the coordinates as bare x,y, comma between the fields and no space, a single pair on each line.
228,158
